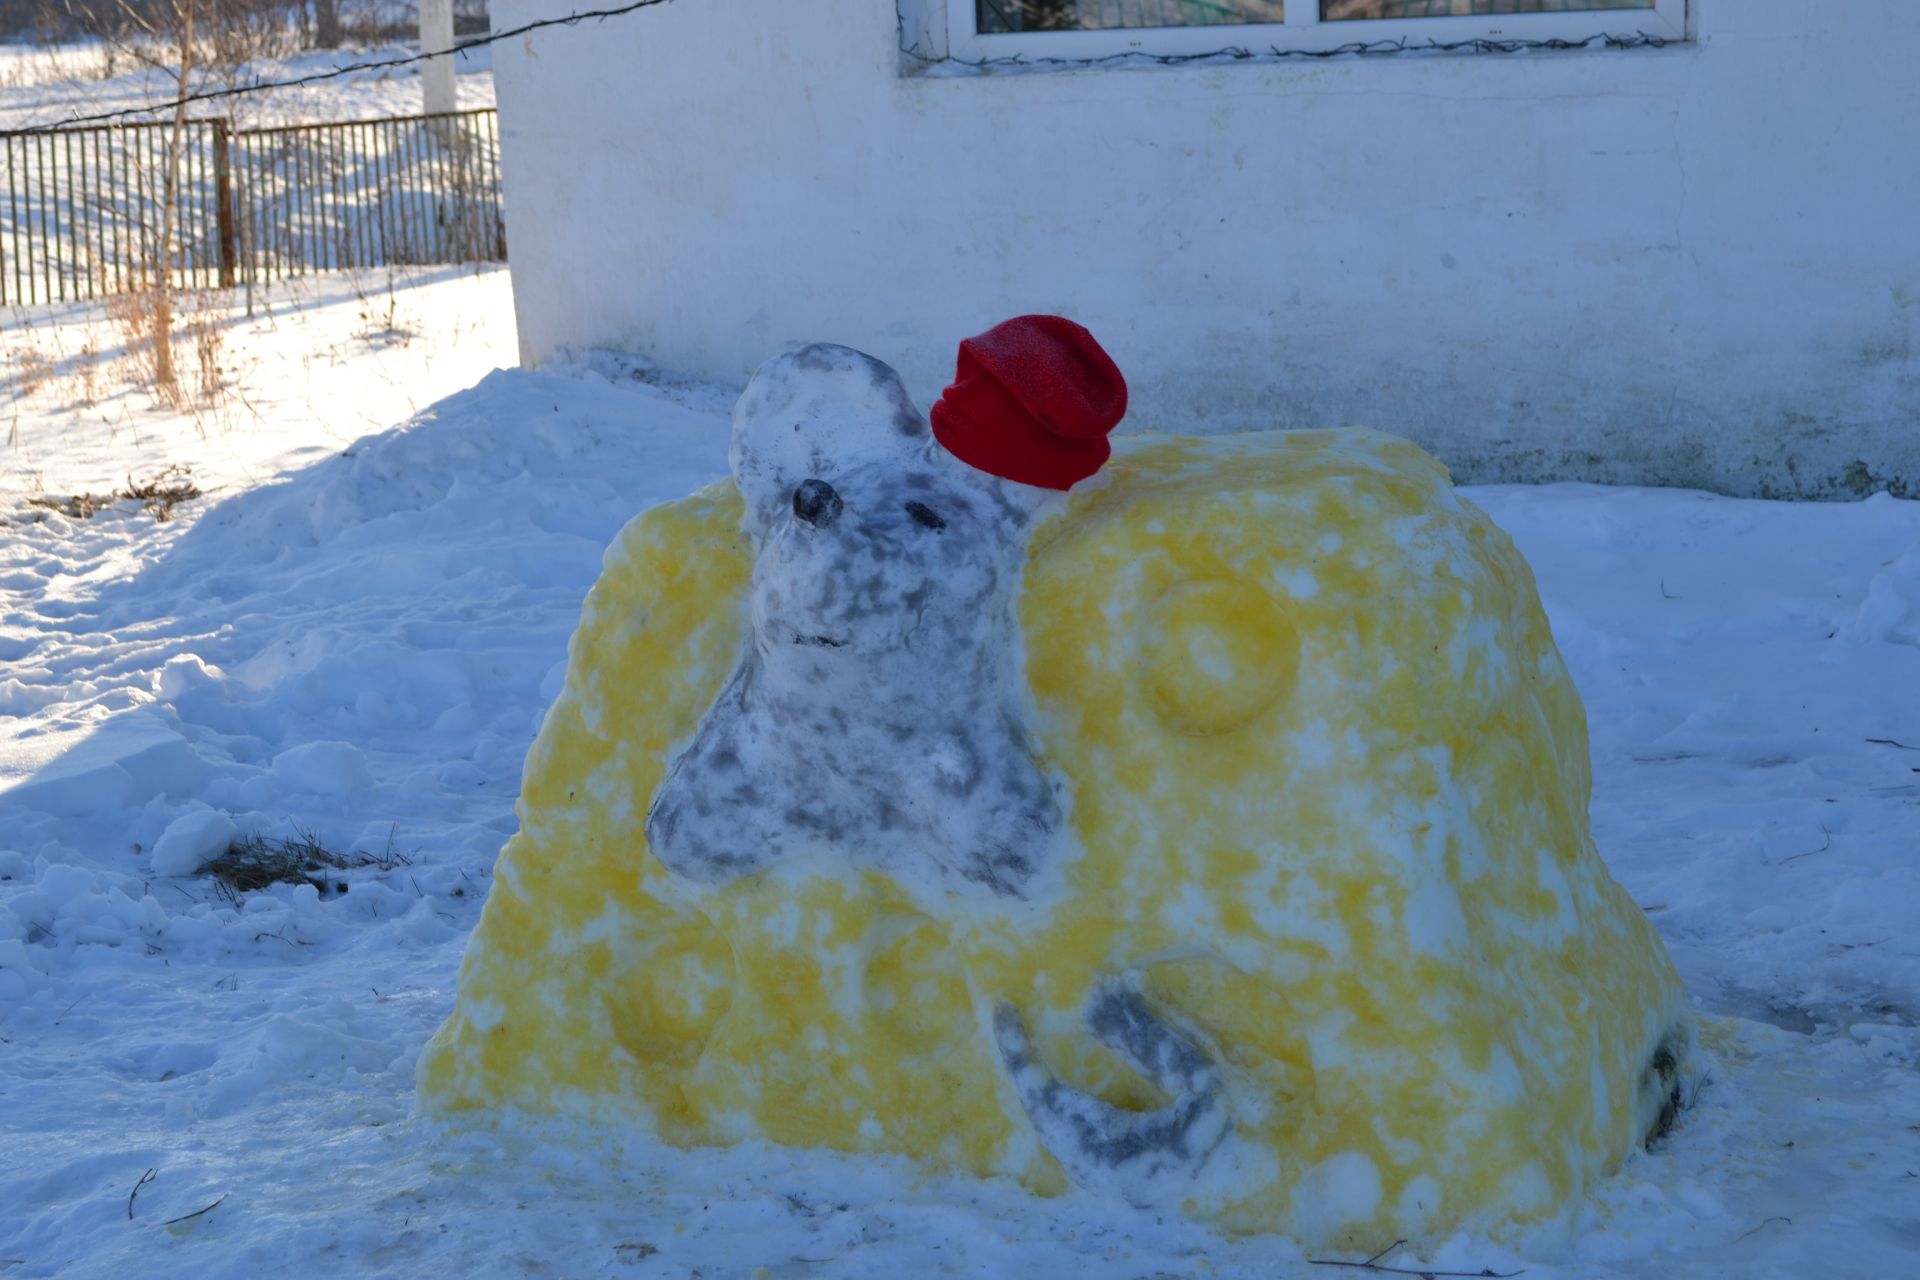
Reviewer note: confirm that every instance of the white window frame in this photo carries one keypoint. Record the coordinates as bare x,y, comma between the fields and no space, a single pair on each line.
941,29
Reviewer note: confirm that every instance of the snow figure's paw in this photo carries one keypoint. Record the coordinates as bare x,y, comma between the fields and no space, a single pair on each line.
1213,836
1153,1158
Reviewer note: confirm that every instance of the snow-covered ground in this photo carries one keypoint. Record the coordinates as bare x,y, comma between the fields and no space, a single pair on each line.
355,634
322,361
46,86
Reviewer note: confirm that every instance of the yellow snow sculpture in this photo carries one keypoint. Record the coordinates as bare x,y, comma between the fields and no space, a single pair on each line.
1325,782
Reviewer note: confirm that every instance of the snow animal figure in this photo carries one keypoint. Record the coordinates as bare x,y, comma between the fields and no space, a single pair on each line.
874,716
1212,833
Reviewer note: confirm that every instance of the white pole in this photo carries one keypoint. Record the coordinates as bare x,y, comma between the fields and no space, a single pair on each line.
436,36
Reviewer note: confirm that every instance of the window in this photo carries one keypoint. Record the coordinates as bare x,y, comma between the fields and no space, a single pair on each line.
1034,30
1002,16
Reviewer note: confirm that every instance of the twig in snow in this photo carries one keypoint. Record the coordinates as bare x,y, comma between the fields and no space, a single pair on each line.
1373,1264
1809,853
1889,742
70,1008
1763,1222
1664,593
196,1213
145,1178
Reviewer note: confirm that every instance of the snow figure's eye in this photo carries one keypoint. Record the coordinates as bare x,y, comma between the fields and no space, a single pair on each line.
925,515
816,502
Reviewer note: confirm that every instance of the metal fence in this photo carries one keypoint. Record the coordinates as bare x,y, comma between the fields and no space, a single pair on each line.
80,209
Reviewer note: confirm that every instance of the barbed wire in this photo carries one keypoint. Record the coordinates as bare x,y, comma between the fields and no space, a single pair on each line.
263,86
1241,53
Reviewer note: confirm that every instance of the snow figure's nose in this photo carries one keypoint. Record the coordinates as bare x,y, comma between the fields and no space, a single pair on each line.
816,503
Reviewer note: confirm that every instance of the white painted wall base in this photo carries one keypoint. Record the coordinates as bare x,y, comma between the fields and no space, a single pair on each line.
1696,266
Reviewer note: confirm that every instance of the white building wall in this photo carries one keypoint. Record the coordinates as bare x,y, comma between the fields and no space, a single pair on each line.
1695,266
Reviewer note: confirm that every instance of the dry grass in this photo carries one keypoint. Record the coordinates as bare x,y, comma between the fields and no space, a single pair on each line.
32,370
163,492
139,315
148,319
75,506
35,363
86,373
207,330
159,495
254,862
381,323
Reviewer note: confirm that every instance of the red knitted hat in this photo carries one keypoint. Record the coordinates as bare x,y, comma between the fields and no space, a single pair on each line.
1032,401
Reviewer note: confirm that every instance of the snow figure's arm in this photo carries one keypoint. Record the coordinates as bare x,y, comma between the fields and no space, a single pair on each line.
1004,828
712,819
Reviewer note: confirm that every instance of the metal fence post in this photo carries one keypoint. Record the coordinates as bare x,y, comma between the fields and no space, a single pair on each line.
223,204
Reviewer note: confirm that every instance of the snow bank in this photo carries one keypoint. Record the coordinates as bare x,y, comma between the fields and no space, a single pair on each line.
191,841
1891,611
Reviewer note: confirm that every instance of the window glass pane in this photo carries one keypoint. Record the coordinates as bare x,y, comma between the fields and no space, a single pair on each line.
1340,10
1103,15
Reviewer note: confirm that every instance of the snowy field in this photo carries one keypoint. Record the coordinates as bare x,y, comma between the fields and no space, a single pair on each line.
354,635
42,86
